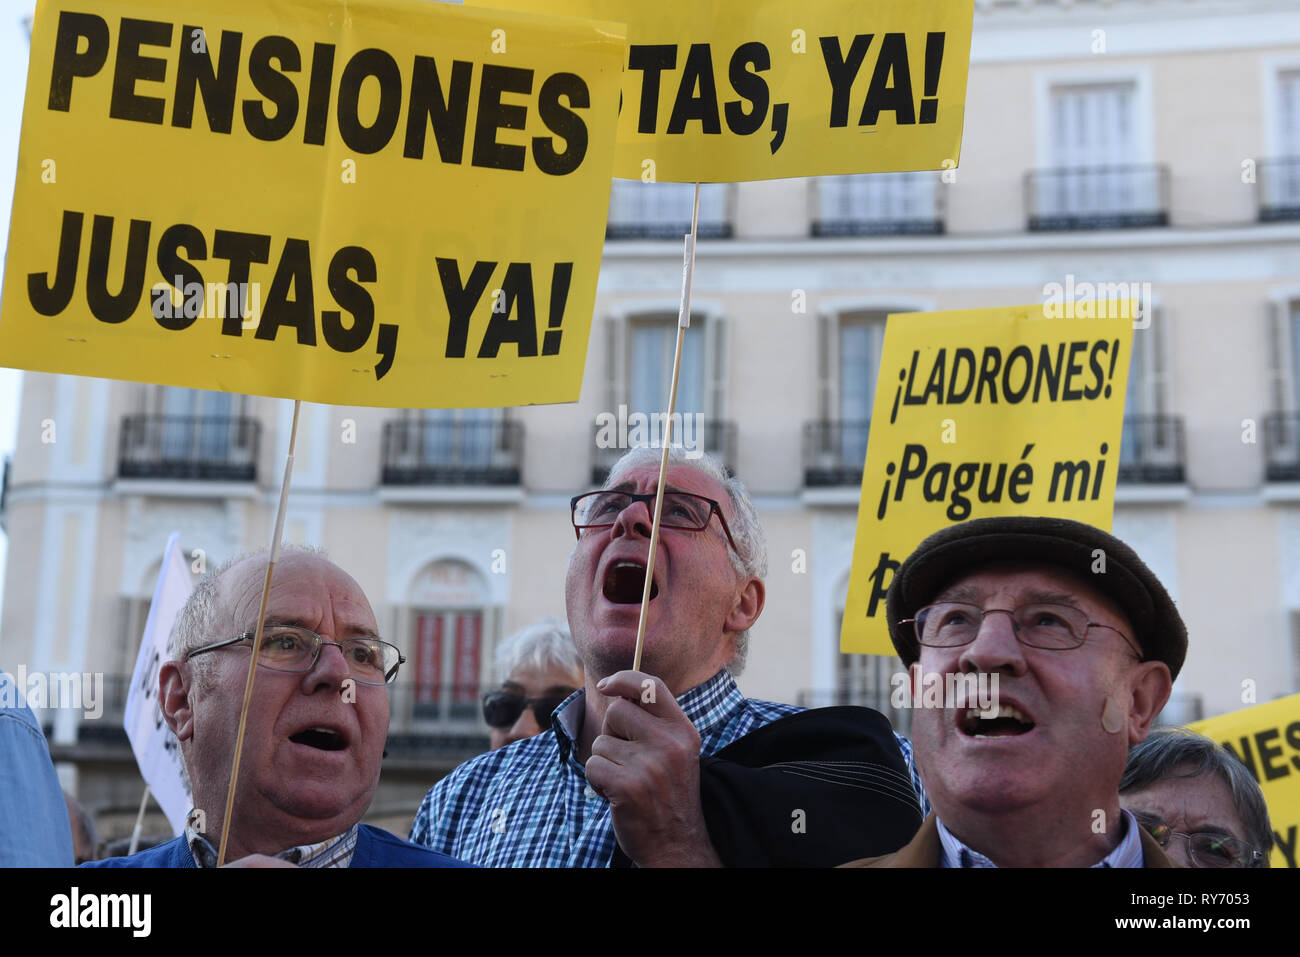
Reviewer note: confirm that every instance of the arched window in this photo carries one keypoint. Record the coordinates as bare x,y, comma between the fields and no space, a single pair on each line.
448,603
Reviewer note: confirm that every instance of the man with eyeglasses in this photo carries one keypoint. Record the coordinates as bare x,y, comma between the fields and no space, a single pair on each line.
317,721
621,761
1200,803
1085,643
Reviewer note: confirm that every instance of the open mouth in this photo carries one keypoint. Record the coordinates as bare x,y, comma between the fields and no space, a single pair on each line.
1009,722
625,581
323,739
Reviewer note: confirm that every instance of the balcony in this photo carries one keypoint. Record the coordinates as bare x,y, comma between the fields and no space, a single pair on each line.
443,720
878,204
640,210
717,437
435,452
1098,197
1282,447
440,723
1151,450
1277,189
900,718
834,453
209,448
1181,709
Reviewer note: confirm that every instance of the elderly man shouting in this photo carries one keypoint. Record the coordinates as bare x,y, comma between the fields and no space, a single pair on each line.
622,757
316,728
1084,642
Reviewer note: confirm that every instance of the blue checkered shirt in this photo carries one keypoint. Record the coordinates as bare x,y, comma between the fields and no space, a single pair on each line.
529,805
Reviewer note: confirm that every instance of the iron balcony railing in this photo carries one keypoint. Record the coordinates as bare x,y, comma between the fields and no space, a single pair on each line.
215,447
447,719
882,701
421,452
1277,189
1181,709
834,452
640,210
438,719
1097,197
1282,447
878,204
1151,450
714,436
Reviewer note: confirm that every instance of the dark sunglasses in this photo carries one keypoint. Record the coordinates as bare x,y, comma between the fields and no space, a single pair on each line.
501,709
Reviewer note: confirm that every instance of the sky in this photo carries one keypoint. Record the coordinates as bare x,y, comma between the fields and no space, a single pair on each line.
13,83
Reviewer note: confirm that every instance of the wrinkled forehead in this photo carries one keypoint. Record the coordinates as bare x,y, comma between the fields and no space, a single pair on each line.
681,477
1019,583
305,590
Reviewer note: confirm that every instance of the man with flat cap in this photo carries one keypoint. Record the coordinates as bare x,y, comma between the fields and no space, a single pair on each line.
1084,642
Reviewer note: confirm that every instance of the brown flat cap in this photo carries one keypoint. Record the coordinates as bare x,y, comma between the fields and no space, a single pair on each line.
961,549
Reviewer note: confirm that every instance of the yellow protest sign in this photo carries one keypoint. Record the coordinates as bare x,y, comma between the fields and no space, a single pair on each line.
985,412
723,92
369,202
1267,740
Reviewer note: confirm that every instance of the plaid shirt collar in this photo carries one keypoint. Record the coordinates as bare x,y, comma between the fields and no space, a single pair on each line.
706,705
1127,853
334,852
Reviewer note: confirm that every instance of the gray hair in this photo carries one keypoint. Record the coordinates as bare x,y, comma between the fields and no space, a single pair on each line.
750,558
1177,752
541,646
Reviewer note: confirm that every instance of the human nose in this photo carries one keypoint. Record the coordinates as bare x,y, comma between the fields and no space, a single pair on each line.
524,727
634,518
1180,851
329,670
996,647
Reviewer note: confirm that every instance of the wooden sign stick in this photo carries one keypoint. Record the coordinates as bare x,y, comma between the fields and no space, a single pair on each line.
257,632
683,321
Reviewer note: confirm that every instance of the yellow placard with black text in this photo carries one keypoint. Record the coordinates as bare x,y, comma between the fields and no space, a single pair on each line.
729,91
370,202
1266,738
983,412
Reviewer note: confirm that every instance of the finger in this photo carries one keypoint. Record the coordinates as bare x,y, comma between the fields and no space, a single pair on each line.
615,750
607,778
627,784
645,690
629,721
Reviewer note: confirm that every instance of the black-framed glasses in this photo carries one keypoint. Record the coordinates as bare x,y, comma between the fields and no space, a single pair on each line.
1205,848
951,624
501,709
294,649
684,510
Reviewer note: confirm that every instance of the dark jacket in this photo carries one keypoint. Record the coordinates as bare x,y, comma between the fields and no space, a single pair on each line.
925,850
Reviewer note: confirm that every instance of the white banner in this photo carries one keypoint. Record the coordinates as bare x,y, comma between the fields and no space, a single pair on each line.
156,749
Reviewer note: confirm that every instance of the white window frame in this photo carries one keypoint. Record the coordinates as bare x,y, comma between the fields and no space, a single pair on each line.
618,359
1143,114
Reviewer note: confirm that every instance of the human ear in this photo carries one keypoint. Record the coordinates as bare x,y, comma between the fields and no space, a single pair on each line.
174,698
1149,687
747,606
